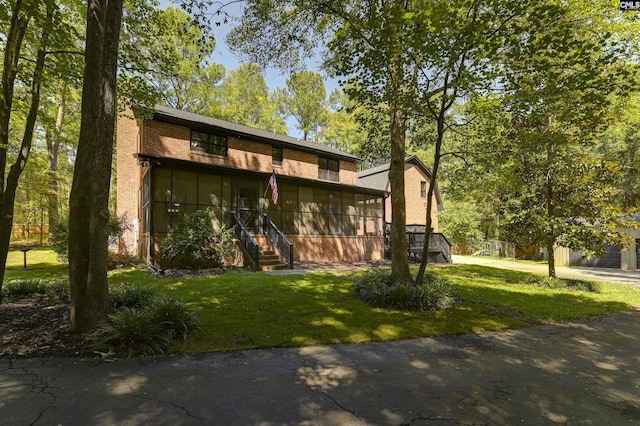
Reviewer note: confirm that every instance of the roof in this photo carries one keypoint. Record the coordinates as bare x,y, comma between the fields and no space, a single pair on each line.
378,177
190,119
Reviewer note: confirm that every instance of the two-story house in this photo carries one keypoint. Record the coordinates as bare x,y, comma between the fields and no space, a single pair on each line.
177,162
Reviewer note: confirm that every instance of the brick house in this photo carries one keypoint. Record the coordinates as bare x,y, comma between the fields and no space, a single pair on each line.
417,177
177,162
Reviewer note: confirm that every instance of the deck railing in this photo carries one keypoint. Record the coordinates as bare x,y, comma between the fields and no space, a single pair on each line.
439,245
278,239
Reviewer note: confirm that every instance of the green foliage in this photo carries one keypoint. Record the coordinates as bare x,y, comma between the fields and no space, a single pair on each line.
564,283
305,99
461,223
145,322
196,244
131,296
36,286
59,239
136,330
377,289
60,234
175,317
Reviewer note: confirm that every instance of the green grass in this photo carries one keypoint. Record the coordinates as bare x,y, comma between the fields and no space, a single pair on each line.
241,310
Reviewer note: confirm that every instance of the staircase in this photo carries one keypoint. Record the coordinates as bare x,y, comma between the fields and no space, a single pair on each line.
270,260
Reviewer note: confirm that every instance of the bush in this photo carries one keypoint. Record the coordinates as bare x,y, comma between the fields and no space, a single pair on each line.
29,287
175,317
132,296
59,237
146,323
195,244
564,283
136,329
377,289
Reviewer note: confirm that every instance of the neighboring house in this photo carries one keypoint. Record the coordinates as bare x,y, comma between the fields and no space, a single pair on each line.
614,258
417,178
416,186
177,162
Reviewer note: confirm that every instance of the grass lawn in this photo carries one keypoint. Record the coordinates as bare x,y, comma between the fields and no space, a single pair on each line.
241,310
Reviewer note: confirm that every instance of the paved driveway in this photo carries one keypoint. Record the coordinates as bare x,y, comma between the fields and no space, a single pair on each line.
597,274
570,374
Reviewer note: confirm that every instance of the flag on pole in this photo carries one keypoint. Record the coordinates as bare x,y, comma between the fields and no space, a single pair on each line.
274,187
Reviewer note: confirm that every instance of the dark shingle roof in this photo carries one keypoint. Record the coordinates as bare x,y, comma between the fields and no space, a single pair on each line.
176,116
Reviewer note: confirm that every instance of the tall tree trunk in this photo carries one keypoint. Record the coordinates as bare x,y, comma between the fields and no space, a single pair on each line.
432,184
89,198
52,137
399,253
10,183
552,259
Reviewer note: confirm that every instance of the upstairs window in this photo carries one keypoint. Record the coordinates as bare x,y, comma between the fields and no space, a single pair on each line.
276,156
208,143
423,189
328,169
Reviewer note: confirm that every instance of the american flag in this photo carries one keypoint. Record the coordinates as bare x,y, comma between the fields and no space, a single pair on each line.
274,188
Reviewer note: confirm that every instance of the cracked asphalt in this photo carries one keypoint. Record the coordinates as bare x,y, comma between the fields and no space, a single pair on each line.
569,374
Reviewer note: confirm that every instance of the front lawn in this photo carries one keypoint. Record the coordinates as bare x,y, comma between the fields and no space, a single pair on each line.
240,310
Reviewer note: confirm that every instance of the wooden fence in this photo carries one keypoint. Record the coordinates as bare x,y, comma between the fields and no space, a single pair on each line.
31,233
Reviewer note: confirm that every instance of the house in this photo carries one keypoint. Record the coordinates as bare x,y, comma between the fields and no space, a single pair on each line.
417,178
176,162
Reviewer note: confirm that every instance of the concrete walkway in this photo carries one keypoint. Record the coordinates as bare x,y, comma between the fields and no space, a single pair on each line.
568,374
596,274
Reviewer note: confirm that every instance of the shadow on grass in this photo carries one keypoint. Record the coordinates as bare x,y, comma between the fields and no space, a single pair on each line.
242,310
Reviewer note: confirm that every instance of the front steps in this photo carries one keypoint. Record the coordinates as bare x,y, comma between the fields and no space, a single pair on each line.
270,260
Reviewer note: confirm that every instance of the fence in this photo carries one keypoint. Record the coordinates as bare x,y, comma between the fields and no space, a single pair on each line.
31,233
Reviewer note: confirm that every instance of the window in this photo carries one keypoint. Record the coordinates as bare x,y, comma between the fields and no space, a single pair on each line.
423,189
276,156
206,142
328,169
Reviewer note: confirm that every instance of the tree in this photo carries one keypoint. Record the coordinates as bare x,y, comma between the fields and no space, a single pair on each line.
305,99
89,198
557,86
244,98
31,24
170,51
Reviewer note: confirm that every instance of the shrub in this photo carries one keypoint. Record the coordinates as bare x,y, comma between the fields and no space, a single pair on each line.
564,283
144,322
131,296
59,239
175,317
60,234
28,287
137,330
196,244
377,289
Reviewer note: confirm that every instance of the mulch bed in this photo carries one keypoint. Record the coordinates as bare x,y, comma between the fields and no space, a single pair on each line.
38,326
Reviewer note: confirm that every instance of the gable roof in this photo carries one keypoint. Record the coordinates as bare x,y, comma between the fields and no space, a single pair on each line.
202,122
378,177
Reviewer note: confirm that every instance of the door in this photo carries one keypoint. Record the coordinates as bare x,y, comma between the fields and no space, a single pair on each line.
248,207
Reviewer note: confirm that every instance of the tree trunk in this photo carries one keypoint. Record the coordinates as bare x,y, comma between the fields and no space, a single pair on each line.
552,259
432,184
10,184
399,253
89,198
52,137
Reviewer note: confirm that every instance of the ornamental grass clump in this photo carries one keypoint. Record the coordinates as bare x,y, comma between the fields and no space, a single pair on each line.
144,322
377,289
36,286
